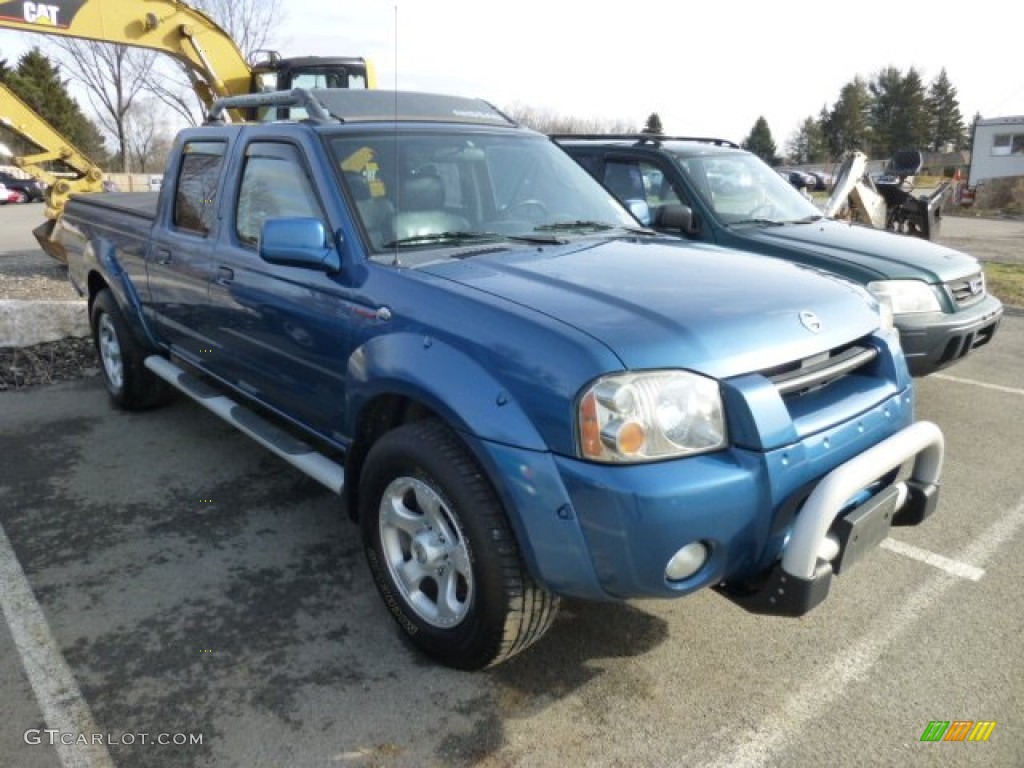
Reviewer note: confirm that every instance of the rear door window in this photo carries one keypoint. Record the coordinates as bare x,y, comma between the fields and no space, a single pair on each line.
195,203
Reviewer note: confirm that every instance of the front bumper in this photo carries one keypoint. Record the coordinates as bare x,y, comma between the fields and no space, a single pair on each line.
824,541
934,340
608,532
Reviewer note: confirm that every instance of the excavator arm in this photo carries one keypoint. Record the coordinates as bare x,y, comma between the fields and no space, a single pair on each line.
20,118
213,62
182,32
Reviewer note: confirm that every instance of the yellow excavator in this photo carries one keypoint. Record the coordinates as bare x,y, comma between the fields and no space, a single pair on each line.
211,59
209,56
19,118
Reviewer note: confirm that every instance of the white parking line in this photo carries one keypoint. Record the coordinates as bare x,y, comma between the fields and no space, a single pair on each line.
982,384
761,745
955,567
54,685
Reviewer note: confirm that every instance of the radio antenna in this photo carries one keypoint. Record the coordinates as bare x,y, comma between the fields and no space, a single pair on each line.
394,164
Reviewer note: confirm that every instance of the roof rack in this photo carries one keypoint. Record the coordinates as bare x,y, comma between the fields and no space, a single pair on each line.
297,97
645,138
354,105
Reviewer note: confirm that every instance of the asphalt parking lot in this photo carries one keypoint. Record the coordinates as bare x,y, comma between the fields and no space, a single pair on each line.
162,575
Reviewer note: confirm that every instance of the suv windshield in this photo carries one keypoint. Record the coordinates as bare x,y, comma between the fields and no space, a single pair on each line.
741,188
433,189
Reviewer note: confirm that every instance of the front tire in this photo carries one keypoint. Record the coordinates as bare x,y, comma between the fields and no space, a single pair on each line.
130,384
442,553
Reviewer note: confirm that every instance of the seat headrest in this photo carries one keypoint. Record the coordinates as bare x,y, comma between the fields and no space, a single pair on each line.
422,193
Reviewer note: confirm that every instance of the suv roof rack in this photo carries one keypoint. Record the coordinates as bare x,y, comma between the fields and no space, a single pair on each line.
297,97
645,138
349,105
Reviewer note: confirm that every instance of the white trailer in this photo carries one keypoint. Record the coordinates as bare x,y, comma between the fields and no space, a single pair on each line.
998,149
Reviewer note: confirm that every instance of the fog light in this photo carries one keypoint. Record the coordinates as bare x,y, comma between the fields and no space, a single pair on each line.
687,561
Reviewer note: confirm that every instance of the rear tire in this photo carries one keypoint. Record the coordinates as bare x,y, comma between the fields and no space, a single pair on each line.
442,553
130,384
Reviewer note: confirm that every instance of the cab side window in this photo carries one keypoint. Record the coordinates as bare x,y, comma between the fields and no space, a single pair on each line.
274,185
195,204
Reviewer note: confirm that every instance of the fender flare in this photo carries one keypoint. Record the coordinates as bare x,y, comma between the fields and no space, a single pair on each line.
442,378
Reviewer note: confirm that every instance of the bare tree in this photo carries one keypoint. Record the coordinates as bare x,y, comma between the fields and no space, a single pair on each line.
113,76
548,121
249,22
148,140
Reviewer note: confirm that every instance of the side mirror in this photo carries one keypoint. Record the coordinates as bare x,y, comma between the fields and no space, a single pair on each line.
676,216
298,242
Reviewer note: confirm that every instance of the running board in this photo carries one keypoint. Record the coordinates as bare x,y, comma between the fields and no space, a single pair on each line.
297,453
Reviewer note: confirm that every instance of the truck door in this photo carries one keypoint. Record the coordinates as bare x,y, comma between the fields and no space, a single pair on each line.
179,260
281,333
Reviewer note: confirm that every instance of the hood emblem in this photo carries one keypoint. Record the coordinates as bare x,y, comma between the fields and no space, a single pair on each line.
810,321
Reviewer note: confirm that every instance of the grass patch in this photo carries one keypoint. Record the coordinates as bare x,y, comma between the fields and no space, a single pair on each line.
1006,281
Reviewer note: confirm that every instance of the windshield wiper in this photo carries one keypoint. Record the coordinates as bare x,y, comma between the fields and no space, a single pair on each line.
769,222
443,237
807,219
565,226
463,237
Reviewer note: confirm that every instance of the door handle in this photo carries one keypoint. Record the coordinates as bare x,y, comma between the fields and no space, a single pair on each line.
163,256
225,276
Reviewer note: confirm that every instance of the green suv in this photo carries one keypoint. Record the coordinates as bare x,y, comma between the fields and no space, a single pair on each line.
713,191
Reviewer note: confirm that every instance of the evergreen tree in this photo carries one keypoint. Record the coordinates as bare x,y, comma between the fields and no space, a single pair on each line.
38,83
653,124
847,126
899,112
808,144
946,123
761,143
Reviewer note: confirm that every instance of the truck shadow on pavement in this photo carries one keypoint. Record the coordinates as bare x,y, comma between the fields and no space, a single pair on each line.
197,584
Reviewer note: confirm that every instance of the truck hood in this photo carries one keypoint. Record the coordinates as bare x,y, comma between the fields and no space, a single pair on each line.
662,303
886,254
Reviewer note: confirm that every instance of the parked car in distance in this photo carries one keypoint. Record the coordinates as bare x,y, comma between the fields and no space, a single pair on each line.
822,181
25,190
715,192
800,179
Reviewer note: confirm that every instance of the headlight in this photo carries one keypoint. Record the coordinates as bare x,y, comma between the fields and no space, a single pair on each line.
635,417
906,296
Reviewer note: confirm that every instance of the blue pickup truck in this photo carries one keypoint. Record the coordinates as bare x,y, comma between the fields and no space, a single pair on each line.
730,197
518,393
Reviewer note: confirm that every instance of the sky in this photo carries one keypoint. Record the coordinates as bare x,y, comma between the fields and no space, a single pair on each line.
706,69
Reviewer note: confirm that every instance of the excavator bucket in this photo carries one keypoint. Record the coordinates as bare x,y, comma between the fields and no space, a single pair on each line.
44,235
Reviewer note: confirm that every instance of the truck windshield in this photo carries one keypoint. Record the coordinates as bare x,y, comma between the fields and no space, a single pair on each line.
742,189
433,189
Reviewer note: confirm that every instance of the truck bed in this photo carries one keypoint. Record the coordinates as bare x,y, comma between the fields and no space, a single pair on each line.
141,204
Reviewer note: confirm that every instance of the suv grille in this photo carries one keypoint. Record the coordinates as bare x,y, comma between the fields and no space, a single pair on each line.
967,290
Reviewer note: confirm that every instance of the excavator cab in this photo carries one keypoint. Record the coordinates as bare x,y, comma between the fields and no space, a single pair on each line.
270,72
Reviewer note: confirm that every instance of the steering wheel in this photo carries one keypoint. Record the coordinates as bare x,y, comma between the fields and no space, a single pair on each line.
532,210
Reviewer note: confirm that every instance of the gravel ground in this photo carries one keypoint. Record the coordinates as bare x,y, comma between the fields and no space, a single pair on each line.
27,274
55,361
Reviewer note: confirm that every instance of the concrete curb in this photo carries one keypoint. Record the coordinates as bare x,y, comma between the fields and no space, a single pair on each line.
25,323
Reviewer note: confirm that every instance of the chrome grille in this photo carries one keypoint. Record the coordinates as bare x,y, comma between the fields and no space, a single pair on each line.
967,290
819,371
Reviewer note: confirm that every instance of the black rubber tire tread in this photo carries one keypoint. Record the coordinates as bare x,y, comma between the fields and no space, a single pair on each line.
141,388
518,611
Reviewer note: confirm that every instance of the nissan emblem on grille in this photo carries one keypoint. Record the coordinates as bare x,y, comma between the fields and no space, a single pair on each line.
976,285
810,321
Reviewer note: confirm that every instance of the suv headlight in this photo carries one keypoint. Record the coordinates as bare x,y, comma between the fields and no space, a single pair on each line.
650,415
906,296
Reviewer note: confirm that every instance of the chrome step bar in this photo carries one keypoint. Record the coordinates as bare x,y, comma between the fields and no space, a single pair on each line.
299,454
